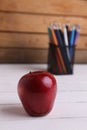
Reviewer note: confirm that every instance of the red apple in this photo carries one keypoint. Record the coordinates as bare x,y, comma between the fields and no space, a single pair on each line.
37,92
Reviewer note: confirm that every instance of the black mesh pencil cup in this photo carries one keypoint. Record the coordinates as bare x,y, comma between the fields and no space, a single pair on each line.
62,42
61,59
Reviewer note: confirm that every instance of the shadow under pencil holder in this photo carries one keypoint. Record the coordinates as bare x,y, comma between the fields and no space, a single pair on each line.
61,59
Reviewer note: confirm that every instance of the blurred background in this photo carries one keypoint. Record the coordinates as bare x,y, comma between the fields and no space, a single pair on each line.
23,28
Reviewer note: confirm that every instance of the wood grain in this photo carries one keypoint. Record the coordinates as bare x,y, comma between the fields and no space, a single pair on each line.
18,40
16,55
23,28
81,56
36,23
58,7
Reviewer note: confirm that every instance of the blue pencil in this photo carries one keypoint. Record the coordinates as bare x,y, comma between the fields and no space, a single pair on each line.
76,33
72,36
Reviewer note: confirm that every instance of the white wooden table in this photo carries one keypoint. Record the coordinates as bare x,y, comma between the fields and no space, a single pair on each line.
70,108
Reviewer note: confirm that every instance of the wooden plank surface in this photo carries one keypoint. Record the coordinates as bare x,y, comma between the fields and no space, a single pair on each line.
19,40
21,55
70,107
58,7
24,40
14,55
81,56
23,28
36,23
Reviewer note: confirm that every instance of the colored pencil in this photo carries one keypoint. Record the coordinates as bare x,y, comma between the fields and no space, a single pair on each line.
66,41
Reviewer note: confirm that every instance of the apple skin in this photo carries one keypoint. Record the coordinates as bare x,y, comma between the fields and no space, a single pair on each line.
37,92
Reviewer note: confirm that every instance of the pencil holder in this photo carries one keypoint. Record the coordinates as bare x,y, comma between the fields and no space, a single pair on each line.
61,59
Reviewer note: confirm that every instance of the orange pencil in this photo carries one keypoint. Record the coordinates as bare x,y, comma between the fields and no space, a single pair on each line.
61,60
57,56
58,50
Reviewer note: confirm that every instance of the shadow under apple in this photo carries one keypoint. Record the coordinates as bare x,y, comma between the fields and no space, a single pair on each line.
13,112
